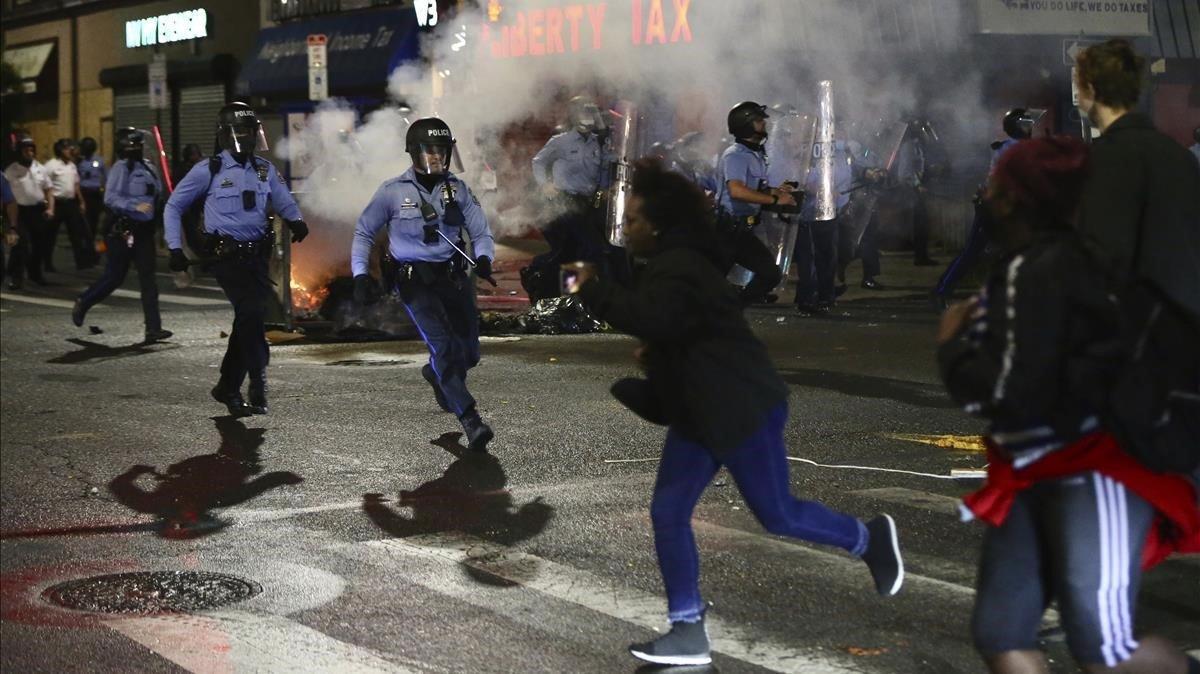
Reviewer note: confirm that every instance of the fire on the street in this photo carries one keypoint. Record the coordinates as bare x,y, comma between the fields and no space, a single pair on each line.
306,301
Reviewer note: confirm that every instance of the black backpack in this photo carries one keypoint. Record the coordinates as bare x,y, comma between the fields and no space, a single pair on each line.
1153,400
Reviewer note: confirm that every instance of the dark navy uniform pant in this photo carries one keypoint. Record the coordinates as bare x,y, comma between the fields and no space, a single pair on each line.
815,258
743,247
444,313
247,285
120,256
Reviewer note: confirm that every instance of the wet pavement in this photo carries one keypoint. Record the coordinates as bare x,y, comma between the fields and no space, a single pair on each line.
379,543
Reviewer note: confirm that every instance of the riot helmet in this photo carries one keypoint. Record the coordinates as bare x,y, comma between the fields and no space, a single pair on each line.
87,146
584,115
239,131
688,147
431,146
130,143
1020,122
741,120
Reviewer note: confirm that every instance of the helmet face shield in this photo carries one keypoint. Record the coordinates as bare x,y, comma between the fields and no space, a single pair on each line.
244,137
435,158
586,118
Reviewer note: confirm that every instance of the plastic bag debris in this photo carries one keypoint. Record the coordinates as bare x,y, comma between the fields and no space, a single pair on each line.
550,316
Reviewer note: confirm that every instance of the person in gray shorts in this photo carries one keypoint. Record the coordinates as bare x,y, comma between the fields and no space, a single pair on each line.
1072,516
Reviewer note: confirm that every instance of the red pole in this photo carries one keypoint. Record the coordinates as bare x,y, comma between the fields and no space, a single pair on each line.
162,160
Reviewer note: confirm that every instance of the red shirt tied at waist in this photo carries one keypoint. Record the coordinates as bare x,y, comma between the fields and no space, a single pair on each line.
1176,527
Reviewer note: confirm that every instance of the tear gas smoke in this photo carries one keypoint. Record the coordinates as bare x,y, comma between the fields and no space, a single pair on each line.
683,62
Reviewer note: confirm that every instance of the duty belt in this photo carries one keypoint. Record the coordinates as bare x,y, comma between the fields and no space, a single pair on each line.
226,247
736,223
395,271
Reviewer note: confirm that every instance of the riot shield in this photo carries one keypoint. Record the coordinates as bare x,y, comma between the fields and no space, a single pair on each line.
624,148
824,194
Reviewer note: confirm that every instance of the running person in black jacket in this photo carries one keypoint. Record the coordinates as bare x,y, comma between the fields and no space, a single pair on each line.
709,379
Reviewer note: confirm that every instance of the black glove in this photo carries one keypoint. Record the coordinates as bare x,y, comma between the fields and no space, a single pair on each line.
483,269
299,230
178,261
364,290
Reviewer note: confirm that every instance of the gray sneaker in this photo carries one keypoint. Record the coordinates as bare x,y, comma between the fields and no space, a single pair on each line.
685,644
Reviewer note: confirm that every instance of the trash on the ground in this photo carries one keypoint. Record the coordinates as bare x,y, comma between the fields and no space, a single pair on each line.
224,334
737,507
781,319
968,473
94,490
282,336
95,330
513,292
550,316
719,483
553,359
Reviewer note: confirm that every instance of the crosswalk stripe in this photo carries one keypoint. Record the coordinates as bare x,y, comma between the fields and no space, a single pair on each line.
225,641
44,301
174,299
590,591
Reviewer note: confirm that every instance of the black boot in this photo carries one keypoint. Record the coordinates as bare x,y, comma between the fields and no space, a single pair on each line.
256,394
227,394
78,312
478,433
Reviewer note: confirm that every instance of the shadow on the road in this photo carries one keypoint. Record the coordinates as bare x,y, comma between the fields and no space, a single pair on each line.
95,351
187,490
867,386
677,669
469,497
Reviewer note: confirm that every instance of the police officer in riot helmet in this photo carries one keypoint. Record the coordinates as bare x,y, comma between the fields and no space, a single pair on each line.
572,173
131,198
742,193
1019,122
238,187
424,211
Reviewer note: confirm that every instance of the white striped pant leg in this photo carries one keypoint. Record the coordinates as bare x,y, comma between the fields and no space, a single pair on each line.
1096,530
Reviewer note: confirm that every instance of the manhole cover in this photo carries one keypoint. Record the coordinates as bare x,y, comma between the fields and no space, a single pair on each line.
370,363
152,592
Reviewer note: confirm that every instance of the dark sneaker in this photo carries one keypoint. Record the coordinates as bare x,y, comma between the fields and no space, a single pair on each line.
883,555
815,309
151,335
869,283
478,433
232,401
256,396
685,644
78,312
428,374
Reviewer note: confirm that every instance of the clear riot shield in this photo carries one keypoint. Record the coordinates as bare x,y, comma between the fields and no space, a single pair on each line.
824,186
879,151
624,150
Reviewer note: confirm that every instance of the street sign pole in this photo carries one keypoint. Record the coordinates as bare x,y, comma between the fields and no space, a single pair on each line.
318,74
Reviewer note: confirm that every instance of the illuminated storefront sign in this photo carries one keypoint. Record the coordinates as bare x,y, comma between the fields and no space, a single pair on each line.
576,27
166,28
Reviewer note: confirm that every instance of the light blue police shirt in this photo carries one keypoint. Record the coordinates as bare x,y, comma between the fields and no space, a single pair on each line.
91,172
574,161
1004,146
127,189
224,212
397,205
739,162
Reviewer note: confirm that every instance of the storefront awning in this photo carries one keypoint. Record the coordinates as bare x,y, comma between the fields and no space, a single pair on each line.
28,61
362,49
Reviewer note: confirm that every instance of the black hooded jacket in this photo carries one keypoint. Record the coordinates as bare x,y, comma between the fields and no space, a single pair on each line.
709,374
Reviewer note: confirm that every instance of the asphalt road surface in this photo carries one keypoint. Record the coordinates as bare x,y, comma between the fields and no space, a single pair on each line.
372,541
